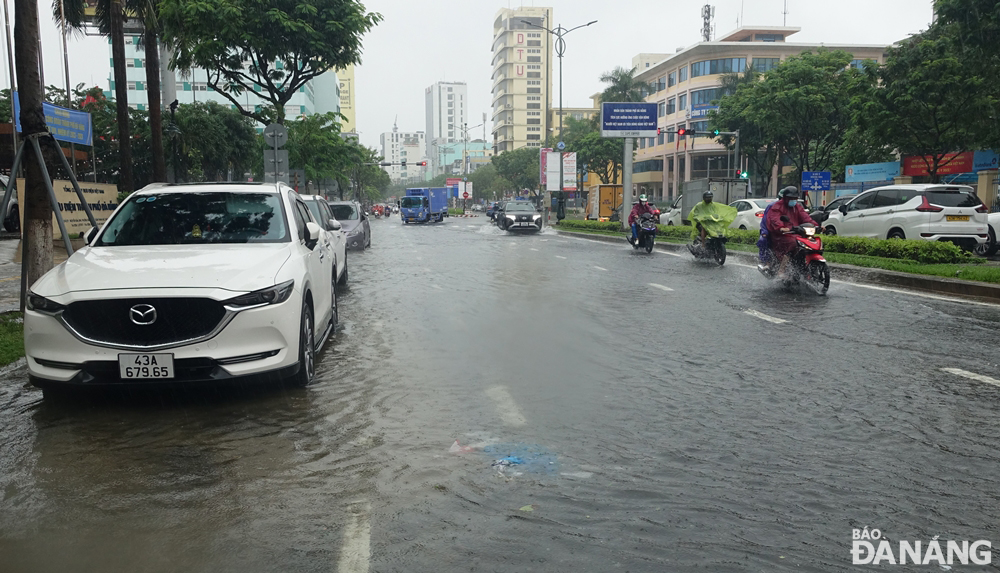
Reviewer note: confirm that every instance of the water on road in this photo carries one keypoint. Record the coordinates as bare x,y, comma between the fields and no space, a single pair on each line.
534,403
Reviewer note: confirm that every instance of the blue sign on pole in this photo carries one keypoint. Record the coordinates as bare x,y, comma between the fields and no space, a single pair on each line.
67,125
816,180
632,119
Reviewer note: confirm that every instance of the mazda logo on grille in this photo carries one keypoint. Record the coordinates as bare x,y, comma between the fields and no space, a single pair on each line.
142,314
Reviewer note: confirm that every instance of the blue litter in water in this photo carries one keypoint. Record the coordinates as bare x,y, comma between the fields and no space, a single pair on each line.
529,458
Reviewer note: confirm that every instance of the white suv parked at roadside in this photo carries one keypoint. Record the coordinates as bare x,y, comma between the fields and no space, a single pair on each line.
189,284
932,212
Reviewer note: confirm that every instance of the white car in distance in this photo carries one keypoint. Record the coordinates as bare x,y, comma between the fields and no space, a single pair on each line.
189,284
749,213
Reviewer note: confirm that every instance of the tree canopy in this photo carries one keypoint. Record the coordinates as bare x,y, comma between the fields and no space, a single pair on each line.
270,48
519,167
622,86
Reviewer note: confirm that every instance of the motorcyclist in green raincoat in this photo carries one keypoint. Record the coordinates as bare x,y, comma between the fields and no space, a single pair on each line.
710,219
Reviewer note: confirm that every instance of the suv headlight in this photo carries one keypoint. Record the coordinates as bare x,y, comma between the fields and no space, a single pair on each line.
270,295
41,304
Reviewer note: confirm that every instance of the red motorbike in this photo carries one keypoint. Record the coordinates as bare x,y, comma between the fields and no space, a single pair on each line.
806,264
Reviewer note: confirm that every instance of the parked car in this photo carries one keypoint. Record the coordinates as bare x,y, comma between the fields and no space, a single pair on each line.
519,216
672,216
989,248
823,213
189,284
749,212
12,218
354,222
930,211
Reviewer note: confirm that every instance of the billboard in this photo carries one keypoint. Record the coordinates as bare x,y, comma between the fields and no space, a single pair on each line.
67,125
951,164
871,172
628,120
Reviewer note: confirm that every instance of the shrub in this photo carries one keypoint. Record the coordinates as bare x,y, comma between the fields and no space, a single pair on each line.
926,252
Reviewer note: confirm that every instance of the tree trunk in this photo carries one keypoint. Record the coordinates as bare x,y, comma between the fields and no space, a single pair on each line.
155,105
121,97
36,243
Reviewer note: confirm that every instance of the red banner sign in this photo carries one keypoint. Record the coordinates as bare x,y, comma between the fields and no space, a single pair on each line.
950,164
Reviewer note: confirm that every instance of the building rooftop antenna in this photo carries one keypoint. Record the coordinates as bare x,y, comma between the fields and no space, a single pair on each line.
784,13
707,13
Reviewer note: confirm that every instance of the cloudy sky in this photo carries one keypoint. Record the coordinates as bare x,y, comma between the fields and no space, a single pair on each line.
424,41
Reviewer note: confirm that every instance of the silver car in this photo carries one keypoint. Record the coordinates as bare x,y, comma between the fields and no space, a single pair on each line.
354,222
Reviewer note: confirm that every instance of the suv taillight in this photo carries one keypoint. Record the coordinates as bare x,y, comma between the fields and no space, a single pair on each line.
982,209
926,207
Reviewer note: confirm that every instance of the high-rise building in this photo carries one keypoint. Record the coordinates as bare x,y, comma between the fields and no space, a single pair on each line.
447,116
522,72
399,146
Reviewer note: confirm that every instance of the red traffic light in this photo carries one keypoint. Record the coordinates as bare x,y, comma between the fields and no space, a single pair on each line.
681,132
422,164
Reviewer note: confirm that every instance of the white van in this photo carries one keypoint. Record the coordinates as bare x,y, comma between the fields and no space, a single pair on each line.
932,212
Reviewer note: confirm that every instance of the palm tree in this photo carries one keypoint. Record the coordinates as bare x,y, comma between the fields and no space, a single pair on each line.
109,18
730,82
622,86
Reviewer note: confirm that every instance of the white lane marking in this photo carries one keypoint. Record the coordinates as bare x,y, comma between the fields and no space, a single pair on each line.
471,226
560,257
763,316
577,475
661,287
437,287
534,249
426,270
600,268
506,406
543,240
971,376
355,553
920,294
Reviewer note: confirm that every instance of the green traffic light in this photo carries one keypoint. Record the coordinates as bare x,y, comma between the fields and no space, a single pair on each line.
717,133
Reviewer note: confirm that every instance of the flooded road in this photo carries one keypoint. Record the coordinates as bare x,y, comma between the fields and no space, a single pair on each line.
534,403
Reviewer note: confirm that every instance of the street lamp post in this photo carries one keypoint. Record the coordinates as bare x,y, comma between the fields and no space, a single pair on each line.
560,33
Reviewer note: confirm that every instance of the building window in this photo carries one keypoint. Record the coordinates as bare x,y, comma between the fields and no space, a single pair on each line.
670,137
659,138
671,106
534,74
534,58
682,104
858,64
699,126
534,51
451,96
684,74
534,121
534,106
534,90
763,65
661,109
535,112
769,37
642,143
534,137
534,67
703,98
723,66
534,98
534,42
130,63
131,85
672,79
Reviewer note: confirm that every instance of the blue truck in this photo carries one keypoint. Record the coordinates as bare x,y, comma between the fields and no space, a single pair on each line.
424,205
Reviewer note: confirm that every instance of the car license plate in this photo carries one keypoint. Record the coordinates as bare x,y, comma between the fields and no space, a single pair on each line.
958,217
139,366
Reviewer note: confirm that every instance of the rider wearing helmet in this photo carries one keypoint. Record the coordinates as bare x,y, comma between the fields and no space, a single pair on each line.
707,197
638,210
781,216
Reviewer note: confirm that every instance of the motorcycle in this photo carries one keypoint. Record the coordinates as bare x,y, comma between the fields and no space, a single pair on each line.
714,218
647,233
806,263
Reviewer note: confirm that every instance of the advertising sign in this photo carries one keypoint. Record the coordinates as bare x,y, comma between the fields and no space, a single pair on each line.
64,124
569,171
102,198
951,164
552,171
985,160
628,120
871,172
543,159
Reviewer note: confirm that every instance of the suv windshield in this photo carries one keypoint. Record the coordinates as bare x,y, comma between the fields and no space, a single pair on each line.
412,202
953,199
195,218
344,212
519,207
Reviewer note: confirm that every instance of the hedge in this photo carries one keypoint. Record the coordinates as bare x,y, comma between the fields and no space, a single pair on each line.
926,252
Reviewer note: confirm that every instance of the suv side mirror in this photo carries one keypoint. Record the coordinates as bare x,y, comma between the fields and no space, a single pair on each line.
91,235
335,225
312,234
843,209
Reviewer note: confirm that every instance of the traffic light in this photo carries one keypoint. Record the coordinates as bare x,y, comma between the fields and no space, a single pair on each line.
422,164
716,133
681,132
403,164
743,175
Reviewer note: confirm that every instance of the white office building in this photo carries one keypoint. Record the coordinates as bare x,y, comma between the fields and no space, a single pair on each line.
447,117
399,146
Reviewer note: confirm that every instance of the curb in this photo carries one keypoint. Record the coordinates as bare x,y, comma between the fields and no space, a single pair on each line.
938,285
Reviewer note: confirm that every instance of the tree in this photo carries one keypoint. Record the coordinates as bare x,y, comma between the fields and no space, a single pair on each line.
270,49
315,146
759,144
601,155
924,101
622,86
732,81
214,142
519,166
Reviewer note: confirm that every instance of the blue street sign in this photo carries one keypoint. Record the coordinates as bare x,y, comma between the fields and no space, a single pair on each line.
64,124
816,180
628,120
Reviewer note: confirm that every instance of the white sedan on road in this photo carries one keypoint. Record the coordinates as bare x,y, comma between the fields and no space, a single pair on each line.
749,212
189,284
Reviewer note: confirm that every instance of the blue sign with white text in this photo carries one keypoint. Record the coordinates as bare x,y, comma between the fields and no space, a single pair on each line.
816,180
64,124
633,119
871,172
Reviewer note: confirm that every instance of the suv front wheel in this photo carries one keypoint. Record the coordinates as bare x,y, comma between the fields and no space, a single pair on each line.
307,349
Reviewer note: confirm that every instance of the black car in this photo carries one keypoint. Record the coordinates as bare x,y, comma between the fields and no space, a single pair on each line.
820,215
519,216
354,222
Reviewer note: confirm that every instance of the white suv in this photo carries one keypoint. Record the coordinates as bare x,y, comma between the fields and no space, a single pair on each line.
189,284
932,212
